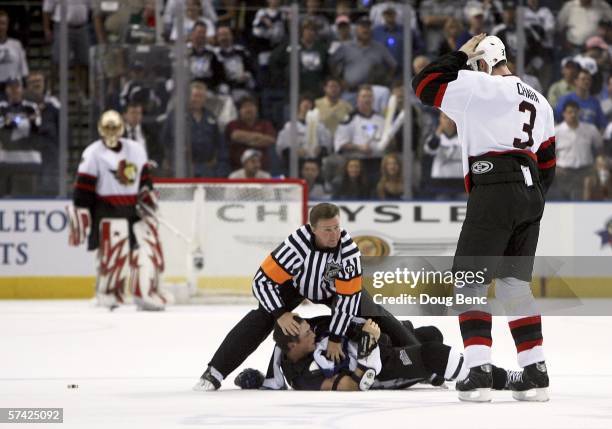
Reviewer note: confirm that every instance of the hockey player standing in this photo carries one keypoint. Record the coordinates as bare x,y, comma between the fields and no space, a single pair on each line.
506,129
113,199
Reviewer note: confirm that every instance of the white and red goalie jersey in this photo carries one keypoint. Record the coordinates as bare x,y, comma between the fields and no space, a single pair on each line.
109,180
495,115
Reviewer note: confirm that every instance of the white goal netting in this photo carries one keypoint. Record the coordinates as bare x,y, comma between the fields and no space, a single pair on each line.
215,233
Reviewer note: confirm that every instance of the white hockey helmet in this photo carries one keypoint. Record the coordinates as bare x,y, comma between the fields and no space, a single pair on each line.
494,51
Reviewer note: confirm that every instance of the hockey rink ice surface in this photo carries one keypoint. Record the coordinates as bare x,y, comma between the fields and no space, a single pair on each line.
136,370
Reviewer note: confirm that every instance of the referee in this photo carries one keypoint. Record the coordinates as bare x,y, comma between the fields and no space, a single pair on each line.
319,261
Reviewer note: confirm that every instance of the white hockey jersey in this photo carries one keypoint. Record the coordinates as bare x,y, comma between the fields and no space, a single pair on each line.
108,182
117,174
495,115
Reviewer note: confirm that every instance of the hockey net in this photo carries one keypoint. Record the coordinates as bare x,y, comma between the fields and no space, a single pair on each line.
216,232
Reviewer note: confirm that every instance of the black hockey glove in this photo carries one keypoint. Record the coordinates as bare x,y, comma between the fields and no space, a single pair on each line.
249,378
365,345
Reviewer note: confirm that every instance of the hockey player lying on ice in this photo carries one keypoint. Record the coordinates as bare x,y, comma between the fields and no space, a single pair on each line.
369,360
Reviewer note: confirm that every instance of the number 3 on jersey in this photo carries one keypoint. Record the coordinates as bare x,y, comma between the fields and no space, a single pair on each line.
528,128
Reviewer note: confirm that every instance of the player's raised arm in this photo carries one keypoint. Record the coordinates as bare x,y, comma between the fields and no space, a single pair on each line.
432,83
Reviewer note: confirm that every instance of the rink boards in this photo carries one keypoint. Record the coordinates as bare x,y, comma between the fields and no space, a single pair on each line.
36,261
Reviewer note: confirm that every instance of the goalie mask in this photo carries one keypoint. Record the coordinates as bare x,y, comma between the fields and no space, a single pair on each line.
494,51
110,128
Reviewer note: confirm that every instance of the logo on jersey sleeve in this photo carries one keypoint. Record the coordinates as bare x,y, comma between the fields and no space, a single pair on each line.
125,173
482,167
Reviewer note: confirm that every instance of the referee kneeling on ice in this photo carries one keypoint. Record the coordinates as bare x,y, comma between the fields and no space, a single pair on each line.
320,262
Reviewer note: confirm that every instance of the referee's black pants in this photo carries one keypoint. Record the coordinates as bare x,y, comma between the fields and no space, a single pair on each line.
253,329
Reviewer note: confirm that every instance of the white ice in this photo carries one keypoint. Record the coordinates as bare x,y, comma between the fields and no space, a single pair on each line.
136,370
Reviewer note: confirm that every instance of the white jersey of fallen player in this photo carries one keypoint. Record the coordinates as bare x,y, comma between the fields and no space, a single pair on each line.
117,172
497,114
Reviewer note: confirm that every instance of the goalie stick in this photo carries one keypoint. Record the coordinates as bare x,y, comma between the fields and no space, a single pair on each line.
195,256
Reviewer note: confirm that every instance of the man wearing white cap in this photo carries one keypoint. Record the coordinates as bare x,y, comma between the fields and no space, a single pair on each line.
251,166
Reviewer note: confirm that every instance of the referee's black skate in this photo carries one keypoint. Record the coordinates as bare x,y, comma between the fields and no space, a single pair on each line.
207,382
531,384
476,387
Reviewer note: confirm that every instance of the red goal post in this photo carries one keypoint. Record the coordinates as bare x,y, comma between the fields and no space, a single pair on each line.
215,232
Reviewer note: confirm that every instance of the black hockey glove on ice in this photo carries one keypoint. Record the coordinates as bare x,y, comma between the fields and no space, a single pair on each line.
249,378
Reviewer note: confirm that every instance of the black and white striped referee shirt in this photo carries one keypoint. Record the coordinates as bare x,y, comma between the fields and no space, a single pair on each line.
317,274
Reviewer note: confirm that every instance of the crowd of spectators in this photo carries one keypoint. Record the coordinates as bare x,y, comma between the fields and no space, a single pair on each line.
351,65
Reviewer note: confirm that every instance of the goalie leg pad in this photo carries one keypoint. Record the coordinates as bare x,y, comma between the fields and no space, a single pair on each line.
147,265
79,225
113,261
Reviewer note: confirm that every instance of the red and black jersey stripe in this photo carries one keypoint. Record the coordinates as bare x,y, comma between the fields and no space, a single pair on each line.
430,84
546,162
85,190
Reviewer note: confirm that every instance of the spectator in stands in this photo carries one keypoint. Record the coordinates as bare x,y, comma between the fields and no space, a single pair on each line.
542,21
23,154
332,108
391,183
235,15
343,33
353,184
47,134
204,64
452,31
590,109
238,66
251,166
606,102
49,106
576,144
360,133
322,27
508,33
77,15
142,26
475,14
310,144
193,15
205,149
608,140
139,89
13,61
578,20
112,19
269,29
310,172
136,130
565,85
364,60
207,11
248,131
377,12
597,49
313,61
391,35
446,168
598,185
434,14
18,117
